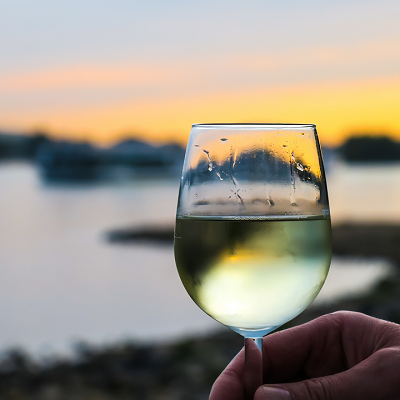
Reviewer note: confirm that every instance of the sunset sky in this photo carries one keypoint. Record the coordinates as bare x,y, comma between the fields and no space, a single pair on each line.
103,70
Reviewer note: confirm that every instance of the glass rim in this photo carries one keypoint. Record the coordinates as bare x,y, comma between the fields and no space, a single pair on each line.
253,125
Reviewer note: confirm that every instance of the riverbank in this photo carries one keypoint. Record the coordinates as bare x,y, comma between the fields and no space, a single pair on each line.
185,369
348,240
364,240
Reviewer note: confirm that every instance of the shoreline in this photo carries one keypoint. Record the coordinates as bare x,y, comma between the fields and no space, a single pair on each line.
350,239
185,368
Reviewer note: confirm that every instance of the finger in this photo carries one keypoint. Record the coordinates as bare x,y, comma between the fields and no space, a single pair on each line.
376,378
325,346
229,385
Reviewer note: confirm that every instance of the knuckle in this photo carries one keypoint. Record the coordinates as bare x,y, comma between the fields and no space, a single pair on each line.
388,358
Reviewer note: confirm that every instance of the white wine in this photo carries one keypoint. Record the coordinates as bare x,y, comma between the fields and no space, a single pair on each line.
253,274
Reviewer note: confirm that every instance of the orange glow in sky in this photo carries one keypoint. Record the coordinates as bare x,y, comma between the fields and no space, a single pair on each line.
338,109
75,79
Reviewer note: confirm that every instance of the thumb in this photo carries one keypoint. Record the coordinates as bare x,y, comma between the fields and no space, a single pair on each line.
376,378
312,389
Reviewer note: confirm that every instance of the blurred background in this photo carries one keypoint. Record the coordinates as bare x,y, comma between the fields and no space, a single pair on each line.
97,99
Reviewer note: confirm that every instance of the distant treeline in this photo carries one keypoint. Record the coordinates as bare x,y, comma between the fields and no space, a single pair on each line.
358,148
68,161
20,146
29,146
370,149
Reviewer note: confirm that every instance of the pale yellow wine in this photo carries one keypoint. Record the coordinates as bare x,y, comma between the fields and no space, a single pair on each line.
253,274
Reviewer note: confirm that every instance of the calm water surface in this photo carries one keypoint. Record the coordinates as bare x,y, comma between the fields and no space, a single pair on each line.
62,282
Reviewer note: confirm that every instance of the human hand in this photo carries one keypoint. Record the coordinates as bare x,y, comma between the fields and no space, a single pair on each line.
340,356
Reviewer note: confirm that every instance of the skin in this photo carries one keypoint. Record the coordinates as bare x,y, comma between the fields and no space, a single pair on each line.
340,356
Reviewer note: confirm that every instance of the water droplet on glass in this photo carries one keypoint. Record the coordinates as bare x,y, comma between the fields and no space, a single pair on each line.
223,139
207,153
196,145
299,167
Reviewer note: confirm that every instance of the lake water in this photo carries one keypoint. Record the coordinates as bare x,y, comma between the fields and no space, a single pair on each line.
62,282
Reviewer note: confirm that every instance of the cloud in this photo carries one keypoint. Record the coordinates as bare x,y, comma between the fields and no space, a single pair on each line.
340,88
86,77
219,73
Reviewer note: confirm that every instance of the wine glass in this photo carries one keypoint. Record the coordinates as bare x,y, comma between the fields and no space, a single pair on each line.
253,233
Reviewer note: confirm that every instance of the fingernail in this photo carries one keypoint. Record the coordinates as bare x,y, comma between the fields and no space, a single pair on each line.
274,393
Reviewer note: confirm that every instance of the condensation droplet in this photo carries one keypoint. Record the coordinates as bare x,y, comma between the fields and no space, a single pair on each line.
299,166
223,139
207,153
234,157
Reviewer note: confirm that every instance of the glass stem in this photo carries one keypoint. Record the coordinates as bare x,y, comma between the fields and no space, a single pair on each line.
253,367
